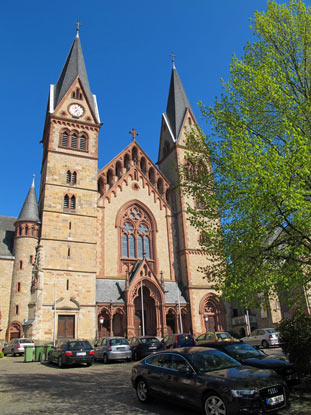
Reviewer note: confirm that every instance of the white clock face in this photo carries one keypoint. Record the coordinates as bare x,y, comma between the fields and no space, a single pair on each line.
76,110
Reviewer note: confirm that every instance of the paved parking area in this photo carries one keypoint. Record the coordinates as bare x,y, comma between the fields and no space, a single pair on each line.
38,388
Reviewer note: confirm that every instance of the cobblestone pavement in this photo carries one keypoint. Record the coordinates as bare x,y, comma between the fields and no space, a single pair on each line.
38,388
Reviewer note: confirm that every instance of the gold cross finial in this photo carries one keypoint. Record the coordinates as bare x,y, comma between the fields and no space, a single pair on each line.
173,58
78,25
134,133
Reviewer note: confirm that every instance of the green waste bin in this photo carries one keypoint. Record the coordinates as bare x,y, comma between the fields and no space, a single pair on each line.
38,353
47,351
28,354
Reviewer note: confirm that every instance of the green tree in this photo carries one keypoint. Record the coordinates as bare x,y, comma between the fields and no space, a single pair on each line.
259,148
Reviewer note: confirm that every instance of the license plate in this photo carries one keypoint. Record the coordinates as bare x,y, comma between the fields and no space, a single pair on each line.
152,347
120,348
81,354
275,400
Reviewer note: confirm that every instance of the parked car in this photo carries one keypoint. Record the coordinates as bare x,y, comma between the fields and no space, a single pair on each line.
262,338
16,346
144,345
178,340
210,380
248,355
214,336
112,348
72,352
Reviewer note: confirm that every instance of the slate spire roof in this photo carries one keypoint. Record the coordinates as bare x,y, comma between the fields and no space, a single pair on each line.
30,210
177,103
74,66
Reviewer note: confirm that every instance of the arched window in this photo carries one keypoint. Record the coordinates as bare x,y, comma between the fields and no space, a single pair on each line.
74,178
74,141
151,175
118,169
64,141
68,176
82,142
143,165
66,202
127,162
136,234
160,186
72,202
134,154
110,177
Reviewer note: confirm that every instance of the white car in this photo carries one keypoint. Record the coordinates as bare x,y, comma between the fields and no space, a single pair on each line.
16,346
262,338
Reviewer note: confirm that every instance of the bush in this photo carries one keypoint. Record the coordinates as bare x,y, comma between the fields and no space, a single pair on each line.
1,355
295,337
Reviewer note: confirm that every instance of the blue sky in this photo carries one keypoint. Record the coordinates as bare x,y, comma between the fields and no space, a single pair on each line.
126,46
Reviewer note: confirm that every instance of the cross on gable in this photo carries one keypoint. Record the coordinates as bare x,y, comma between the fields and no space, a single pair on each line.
134,133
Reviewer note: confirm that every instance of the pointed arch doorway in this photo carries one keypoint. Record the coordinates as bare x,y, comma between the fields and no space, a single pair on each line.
145,313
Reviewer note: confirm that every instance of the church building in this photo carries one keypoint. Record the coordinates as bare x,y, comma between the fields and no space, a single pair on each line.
106,250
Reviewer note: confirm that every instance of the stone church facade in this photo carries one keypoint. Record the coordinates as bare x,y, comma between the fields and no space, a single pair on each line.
104,251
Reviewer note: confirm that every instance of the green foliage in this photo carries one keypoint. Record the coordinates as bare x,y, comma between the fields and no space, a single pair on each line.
1,355
295,336
260,152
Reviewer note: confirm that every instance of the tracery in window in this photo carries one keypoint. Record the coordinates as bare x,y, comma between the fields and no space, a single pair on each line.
136,234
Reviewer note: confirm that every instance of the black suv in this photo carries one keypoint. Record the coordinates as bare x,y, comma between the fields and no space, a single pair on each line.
178,340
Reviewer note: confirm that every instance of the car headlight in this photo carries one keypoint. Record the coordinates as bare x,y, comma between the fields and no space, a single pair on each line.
243,393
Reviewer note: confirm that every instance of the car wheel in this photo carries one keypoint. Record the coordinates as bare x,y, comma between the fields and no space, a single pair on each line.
106,360
89,364
60,364
13,353
142,391
265,344
214,404
128,359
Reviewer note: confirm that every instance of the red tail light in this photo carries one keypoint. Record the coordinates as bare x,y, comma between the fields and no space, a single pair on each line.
270,336
109,348
91,351
68,353
18,346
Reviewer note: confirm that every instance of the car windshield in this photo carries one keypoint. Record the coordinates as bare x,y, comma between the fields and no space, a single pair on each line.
147,340
117,342
183,338
211,360
242,351
26,341
79,345
223,336
271,331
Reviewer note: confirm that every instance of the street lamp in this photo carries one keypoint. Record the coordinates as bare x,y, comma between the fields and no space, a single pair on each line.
101,322
206,323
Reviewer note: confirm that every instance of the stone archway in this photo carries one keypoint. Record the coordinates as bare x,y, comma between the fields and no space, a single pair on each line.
15,330
212,313
171,322
118,323
144,306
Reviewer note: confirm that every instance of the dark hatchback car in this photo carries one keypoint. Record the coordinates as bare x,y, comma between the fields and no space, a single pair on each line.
72,352
248,355
210,380
178,340
144,345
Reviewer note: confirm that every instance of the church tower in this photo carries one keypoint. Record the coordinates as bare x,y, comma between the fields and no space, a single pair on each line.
27,229
64,286
207,309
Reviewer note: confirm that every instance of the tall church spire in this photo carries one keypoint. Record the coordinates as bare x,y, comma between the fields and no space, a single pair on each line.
74,67
30,210
177,104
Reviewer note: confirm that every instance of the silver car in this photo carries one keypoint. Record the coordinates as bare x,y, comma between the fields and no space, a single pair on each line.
112,348
262,338
16,346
